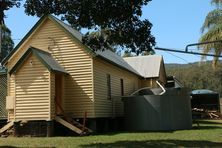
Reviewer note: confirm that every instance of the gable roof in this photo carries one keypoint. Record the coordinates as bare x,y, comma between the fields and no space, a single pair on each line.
44,57
146,66
77,36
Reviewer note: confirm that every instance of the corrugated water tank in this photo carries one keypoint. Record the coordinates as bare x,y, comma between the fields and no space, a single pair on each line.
170,111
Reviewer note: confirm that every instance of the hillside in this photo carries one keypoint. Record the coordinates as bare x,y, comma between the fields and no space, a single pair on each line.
197,75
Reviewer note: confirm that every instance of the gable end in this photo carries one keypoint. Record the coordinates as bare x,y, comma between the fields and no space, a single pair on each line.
44,57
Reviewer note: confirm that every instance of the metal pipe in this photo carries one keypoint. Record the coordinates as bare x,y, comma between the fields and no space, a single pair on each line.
187,52
139,90
202,43
164,90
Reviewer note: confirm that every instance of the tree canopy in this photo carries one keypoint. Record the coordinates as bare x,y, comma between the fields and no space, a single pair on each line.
212,30
197,76
112,23
7,42
5,5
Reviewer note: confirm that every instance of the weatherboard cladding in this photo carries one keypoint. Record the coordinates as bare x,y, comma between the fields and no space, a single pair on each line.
78,85
74,32
32,92
113,107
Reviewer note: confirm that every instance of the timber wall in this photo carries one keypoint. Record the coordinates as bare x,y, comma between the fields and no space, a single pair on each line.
78,91
105,107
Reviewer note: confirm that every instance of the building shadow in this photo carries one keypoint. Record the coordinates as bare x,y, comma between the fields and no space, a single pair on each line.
157,143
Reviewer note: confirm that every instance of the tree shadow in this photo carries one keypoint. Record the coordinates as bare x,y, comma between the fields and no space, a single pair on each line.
112,133
215,122
201,127
205,125
6,146
157,143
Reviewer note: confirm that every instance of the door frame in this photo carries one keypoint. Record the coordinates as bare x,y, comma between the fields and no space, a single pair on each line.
59,93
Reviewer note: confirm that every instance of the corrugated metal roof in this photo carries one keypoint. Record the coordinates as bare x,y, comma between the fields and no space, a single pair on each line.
49,61
116,59
146,66
44,57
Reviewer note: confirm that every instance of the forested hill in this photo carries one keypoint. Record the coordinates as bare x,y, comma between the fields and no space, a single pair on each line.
197,75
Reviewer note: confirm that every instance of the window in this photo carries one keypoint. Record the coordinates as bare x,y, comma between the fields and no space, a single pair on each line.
108,82
122,87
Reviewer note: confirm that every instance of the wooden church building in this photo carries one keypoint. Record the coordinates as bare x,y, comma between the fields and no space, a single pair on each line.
52,76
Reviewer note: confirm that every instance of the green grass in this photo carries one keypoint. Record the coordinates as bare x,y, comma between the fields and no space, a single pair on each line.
208,134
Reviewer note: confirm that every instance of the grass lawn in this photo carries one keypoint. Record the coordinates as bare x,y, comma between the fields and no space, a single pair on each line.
208,134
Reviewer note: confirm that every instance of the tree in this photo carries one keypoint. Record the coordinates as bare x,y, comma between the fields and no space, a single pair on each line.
212,30
127,53
5,5
112,23
197,76
7,42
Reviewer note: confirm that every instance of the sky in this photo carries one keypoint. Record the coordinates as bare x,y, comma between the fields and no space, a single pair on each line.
176,23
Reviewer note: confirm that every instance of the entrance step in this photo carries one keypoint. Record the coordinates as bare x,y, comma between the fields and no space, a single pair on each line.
6,127
72,126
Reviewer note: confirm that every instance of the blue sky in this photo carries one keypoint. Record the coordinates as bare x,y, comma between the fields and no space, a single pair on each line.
176,23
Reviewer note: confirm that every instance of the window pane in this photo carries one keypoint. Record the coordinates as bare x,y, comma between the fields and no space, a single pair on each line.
108,86
122,87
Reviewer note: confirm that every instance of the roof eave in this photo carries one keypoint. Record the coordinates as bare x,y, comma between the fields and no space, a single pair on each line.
20,62
111,62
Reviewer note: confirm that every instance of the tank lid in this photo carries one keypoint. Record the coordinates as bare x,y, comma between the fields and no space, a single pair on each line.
202,91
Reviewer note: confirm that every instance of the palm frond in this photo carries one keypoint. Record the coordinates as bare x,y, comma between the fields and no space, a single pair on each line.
212,31
213,34
213,18
217,2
